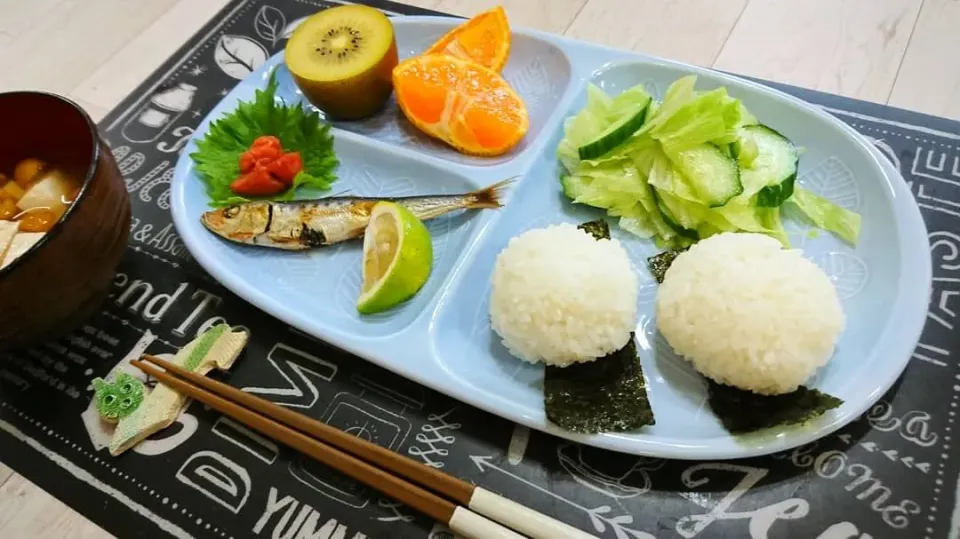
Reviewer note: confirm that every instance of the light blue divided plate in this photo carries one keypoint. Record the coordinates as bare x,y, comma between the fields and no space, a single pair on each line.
442,338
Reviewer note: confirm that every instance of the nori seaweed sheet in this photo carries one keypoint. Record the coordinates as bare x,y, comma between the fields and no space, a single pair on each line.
661,262
599,229
743,411
605,395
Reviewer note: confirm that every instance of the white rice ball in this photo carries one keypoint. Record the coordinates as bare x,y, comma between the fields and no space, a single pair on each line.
561,296
748,313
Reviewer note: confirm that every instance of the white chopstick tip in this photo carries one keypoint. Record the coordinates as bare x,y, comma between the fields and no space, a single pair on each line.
521,518
467,524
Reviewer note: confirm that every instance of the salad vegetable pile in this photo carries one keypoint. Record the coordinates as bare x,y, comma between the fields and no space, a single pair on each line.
696,164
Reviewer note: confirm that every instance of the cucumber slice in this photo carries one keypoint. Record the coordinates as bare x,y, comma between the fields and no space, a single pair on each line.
715,177
617,132
772,196
774,170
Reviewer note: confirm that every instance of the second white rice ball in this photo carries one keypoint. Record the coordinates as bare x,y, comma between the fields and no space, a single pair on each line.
748,313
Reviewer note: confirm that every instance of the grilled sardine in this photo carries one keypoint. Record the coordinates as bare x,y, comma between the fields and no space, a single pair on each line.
306,224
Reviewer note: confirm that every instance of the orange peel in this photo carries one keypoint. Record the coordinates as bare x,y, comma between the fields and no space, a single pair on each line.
485,39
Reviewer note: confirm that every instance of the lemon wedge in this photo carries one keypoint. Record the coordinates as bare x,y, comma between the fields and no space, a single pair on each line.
397,258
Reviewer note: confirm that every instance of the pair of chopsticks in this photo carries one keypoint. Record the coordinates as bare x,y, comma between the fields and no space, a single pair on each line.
468,510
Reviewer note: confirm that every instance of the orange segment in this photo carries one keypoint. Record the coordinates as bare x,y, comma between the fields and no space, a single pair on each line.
462,103
485,39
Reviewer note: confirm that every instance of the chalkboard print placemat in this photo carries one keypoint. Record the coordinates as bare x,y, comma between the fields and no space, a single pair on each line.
890,474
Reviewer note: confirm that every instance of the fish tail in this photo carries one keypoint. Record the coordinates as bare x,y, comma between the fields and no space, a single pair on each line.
489,197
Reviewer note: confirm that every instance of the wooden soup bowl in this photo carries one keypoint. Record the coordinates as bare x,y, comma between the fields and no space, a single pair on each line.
63,279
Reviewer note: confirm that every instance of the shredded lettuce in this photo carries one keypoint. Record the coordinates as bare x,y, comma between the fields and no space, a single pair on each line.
662,174
610,186
710,117
646,182
827,215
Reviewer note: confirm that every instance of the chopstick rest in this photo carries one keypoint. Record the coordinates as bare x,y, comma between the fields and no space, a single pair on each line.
519,517
217,348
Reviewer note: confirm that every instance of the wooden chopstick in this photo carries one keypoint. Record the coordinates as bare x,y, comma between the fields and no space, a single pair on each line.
494,506
449,486
461,520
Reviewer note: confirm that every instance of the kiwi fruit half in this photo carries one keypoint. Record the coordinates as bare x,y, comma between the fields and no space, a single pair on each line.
342,58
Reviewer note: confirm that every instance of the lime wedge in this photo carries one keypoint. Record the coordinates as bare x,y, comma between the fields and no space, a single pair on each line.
397,257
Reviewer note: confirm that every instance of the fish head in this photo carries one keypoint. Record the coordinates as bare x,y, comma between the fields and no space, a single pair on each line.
241,223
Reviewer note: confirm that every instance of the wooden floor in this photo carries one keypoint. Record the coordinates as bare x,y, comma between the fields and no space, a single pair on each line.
901,52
